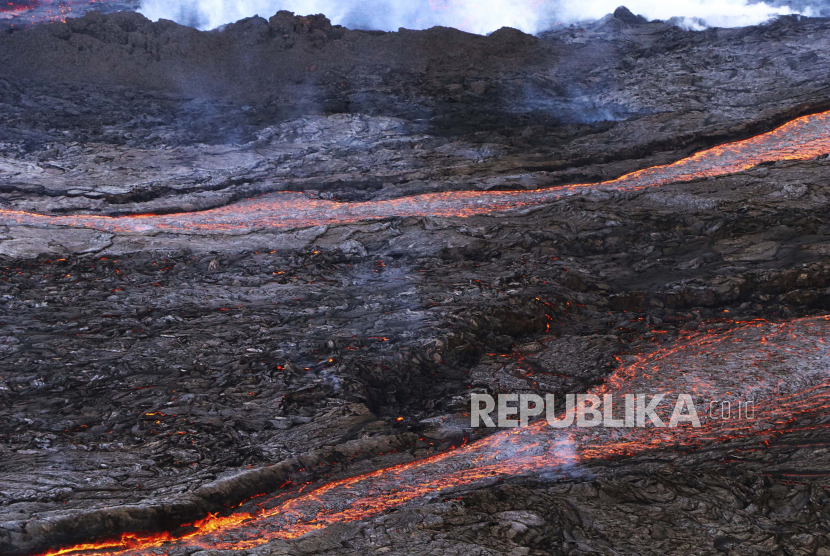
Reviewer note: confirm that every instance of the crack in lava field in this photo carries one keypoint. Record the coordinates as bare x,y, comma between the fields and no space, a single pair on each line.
782,367
801,139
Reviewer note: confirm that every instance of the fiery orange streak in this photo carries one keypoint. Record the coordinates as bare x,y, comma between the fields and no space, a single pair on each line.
538,448
804,138
42,11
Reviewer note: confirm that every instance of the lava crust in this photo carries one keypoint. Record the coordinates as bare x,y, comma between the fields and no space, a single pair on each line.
251,277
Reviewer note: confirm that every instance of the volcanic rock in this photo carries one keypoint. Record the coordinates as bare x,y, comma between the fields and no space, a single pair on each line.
152,377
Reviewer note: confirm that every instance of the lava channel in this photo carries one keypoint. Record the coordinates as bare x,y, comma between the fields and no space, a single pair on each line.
782,367
801,139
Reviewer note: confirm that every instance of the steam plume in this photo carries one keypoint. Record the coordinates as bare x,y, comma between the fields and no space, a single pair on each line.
476,16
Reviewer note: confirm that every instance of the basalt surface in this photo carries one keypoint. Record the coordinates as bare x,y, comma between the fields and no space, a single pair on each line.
149,378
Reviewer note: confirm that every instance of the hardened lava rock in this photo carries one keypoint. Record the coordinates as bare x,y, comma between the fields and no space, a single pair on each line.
151,377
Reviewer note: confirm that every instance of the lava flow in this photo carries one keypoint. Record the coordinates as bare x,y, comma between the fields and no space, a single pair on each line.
23,13
19,6
804,138
781,367
39,11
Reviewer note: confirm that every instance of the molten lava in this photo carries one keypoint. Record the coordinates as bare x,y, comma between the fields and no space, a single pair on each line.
39,11
804,138
782,367
18,6
23,13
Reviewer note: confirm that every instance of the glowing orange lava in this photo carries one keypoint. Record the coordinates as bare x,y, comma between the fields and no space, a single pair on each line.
804,138
41,11
782,367
15,7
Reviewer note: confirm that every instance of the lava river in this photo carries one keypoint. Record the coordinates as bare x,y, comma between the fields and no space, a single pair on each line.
801,139
783,367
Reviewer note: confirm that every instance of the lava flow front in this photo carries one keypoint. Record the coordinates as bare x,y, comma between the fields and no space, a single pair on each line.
780,367
804,138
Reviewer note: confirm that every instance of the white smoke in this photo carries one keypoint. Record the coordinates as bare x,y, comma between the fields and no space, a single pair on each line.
469,15
475,16
711,13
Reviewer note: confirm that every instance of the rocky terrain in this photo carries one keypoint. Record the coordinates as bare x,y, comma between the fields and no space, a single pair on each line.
149,379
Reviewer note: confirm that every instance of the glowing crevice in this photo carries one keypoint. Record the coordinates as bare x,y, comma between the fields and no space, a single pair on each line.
782,367
802,139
